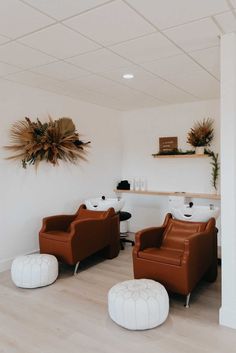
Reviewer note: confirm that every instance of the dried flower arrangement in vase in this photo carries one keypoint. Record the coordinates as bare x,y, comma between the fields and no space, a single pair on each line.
52,141
201,135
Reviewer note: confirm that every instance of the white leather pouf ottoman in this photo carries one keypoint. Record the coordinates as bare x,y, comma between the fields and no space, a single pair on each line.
138,304
36,270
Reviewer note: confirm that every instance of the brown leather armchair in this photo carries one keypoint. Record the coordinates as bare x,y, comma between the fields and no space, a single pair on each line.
177,254
72,238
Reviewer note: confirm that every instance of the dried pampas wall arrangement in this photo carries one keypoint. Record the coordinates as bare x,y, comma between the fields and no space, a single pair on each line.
55,140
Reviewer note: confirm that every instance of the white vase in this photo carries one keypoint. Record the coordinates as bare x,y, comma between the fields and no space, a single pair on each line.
199,150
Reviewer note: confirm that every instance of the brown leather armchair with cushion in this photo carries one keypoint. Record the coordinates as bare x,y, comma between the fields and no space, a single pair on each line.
72,238
177,254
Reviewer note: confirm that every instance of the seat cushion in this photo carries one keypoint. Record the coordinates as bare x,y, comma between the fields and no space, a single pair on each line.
163,255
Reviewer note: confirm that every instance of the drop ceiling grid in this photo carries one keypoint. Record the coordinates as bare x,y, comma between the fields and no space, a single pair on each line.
79,7
163,32
147,30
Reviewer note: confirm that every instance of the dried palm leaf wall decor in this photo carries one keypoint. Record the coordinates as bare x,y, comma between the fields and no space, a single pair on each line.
55,140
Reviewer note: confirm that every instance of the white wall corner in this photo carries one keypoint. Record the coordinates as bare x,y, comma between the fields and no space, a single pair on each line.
228,316
5,264
228,177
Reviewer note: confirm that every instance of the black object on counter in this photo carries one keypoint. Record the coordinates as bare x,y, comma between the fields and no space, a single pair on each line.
123,185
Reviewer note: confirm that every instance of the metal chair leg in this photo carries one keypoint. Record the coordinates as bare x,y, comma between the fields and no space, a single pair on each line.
187,300
121,246
76,268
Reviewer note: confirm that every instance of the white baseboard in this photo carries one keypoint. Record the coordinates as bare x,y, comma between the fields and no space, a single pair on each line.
5,264
228,317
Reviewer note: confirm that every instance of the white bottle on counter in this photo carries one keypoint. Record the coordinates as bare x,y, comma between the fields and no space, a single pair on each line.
143,184
137,184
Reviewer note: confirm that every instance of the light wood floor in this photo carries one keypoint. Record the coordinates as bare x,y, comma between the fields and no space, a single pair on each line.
71,316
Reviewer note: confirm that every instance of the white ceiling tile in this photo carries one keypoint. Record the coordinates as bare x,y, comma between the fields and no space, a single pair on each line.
169,13
61,71
163,90
131,97
111,23
99,61
169,67
139,75
3,39
59,9
59,41
200,84
150,84
196,35
233,2
34,80
55,87
17,19
227,21
148,48
126,94
17,54
6,69
96,83
139,103
114,90
73,89
101,100
210,59
94,74
96,98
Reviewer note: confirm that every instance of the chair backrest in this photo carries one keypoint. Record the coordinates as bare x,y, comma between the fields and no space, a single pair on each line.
83,213
177,231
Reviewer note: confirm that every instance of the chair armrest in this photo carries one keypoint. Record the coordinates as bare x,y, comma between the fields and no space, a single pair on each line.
59,222
148,238
198,247
88,228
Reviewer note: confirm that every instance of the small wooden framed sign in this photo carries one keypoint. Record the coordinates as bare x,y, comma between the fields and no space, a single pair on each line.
168,144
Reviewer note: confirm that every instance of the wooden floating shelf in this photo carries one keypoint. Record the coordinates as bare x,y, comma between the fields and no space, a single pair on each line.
171,193
182,156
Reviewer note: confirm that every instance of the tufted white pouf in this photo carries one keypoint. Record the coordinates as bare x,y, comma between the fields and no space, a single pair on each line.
138,304
36,270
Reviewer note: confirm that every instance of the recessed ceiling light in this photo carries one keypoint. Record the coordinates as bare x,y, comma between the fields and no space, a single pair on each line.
128,76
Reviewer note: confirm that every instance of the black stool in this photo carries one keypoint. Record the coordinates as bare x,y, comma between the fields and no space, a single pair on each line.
124,216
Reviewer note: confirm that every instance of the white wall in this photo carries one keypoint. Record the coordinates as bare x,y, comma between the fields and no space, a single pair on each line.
26,195
228,140
141,132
